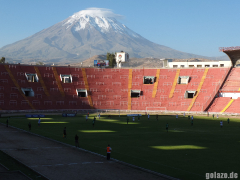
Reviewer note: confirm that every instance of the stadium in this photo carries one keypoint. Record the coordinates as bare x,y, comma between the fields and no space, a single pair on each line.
63,96
26,87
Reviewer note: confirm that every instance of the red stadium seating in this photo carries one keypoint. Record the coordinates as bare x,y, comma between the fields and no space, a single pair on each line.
109,89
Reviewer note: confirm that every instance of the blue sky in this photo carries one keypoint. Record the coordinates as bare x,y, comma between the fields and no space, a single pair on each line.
193,26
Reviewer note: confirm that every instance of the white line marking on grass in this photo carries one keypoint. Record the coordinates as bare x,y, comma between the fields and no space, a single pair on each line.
50,147
86,162
30,148
72,163
7,149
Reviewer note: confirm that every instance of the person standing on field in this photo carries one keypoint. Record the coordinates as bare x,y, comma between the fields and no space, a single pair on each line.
228,120
29,126
221,124
65,132
167,127
86,117
148,116
109,150
39,122
76,141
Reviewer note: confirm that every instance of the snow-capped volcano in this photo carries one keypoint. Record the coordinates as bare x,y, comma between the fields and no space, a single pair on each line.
89,32
101,19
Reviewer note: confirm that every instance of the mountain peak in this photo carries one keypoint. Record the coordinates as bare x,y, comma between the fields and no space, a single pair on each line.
96,12
103,20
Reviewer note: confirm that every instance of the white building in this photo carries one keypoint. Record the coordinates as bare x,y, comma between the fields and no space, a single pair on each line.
167,63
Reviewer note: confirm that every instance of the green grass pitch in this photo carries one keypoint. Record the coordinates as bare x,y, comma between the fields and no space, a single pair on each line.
185,152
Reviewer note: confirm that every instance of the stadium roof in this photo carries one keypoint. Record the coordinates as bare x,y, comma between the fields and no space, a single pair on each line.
232,52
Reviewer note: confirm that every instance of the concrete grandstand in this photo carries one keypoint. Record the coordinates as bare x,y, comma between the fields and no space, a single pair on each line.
25,87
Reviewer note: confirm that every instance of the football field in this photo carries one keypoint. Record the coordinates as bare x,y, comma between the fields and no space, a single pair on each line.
185,151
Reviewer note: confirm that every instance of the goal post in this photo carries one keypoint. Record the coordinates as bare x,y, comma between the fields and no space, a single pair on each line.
154,109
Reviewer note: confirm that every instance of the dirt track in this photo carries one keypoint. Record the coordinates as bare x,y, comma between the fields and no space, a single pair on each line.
57,161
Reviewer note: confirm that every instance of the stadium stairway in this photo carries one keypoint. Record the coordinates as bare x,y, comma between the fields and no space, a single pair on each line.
41,81
39,93
233,81
58,81
174,83
49,81
210,87
129,89
42,99
219,103
7,88
178,102
234,107
198,89
145,101
227,106
11,96
156,84
232,85
87,87
55,100
161,100
16,70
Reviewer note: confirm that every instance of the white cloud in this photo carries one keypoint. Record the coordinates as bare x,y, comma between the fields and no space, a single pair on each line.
102,12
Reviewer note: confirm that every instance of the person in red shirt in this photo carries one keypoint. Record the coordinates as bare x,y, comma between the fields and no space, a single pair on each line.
109,149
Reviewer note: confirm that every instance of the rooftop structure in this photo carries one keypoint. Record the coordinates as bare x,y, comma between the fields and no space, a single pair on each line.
233,53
